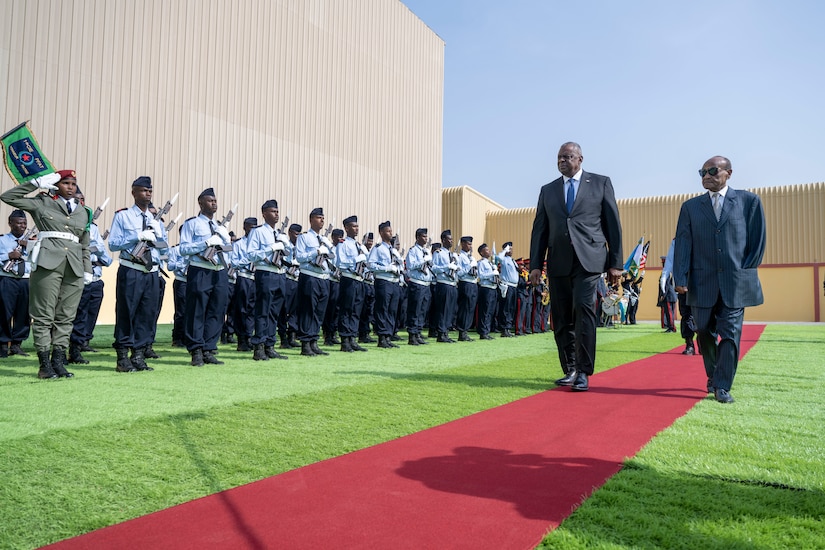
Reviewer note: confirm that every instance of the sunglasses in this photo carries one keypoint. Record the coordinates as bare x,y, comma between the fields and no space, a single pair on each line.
712,171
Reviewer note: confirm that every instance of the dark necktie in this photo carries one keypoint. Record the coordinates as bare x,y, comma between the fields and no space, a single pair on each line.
571,195
69,206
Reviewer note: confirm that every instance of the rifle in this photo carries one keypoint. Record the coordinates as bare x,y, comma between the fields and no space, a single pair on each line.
140,249
12,264
323,259
99,210
211,251
277,255
173,222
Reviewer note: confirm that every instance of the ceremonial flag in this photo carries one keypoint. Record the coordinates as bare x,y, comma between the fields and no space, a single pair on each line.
22,155
635,258
643,260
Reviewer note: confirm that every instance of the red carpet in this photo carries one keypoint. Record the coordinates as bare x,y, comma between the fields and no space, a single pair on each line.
497,479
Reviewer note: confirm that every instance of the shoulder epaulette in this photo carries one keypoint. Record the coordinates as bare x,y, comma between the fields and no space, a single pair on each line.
122,209
187,219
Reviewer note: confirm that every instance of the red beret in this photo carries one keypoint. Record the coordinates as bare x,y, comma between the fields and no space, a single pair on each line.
66,174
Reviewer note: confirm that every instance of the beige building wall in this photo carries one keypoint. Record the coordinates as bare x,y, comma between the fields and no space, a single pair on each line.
332,103
791,273
467,211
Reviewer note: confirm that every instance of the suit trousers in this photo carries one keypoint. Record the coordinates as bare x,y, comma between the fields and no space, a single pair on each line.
136,303
313,295
467,299
418,303
14,308
444,307
87,312
207,292
269,302
718,331
387,294
486,309
350,304
573,308
53,298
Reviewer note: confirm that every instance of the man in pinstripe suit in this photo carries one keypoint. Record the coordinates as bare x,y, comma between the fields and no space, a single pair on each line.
720,241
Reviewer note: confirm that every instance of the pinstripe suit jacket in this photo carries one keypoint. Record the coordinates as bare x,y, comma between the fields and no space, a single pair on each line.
715,259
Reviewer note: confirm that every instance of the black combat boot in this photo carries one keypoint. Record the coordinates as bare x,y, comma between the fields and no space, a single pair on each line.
59,362
259,354
272,354
346,345
87,348
210,359
355,345
421,339
315,349
123,363
46,371
75,355
149,353
15,349
139,360
197,357
413,340
243,343
306,349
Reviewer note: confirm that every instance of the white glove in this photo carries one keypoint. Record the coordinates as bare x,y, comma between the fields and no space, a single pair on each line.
324,241
47,182
393,268
507,249
427,257
283,238
473,263
495,270
323,250
453,266
361,258
277,246
214,240
155,226
224,233
87,278
147,235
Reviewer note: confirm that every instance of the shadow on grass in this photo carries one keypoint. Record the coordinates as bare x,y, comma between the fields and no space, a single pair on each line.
179,421
464,380
642,507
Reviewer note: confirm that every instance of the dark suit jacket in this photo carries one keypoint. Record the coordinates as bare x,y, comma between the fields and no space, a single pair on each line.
592,231
715,258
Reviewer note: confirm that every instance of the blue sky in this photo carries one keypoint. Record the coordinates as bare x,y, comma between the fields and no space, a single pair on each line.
649,89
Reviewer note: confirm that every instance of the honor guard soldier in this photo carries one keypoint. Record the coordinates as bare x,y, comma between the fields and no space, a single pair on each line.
60,264
365,322
508,287
385,264
467,288
14,285
267,250
134,234
351,259
92,297
446,292
288,321
488,281
419,270
205,242
314,252
244,311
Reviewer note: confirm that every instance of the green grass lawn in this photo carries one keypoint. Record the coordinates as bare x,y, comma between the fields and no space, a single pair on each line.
105,447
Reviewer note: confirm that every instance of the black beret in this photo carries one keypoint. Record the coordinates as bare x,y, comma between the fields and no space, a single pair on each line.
467,239
250,221
508,243
420,231
316,212
207,193
296,228
370,235
337,233
436,246
143,181
481,247
383,225
271,203
446,233
17,214
351,219
77,191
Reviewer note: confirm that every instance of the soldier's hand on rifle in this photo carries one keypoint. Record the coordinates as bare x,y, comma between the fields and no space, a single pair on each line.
15,254
214,240
360,258
323,250
154,225
224,233
326,242
47,182
277,246
283,238
393,268
453,266
147,235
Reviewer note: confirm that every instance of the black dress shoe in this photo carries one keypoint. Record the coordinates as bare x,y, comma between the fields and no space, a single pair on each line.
689,350
444,338
581,383
723,396
421,339
569,379
210,359
485,337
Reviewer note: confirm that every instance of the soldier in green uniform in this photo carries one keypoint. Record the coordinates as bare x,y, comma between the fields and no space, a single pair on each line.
60,263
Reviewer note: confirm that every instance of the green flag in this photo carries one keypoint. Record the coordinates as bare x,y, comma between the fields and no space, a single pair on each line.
22,155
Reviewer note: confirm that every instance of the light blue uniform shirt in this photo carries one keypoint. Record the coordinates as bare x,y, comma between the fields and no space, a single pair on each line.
176,263
306,252
441,261
346,258
99,258
8,242
467,268
509,271
259,249
126,225
487,273
418,270
381,262
193,235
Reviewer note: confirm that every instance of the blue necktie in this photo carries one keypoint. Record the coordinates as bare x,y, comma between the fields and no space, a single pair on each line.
571,195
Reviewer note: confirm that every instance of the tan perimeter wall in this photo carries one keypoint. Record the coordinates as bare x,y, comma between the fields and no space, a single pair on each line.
791,273
332,103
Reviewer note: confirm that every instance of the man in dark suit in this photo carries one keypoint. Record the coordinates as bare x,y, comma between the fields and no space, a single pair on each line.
578,231
720,241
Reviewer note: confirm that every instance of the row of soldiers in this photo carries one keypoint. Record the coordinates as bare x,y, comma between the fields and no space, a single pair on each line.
286,283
